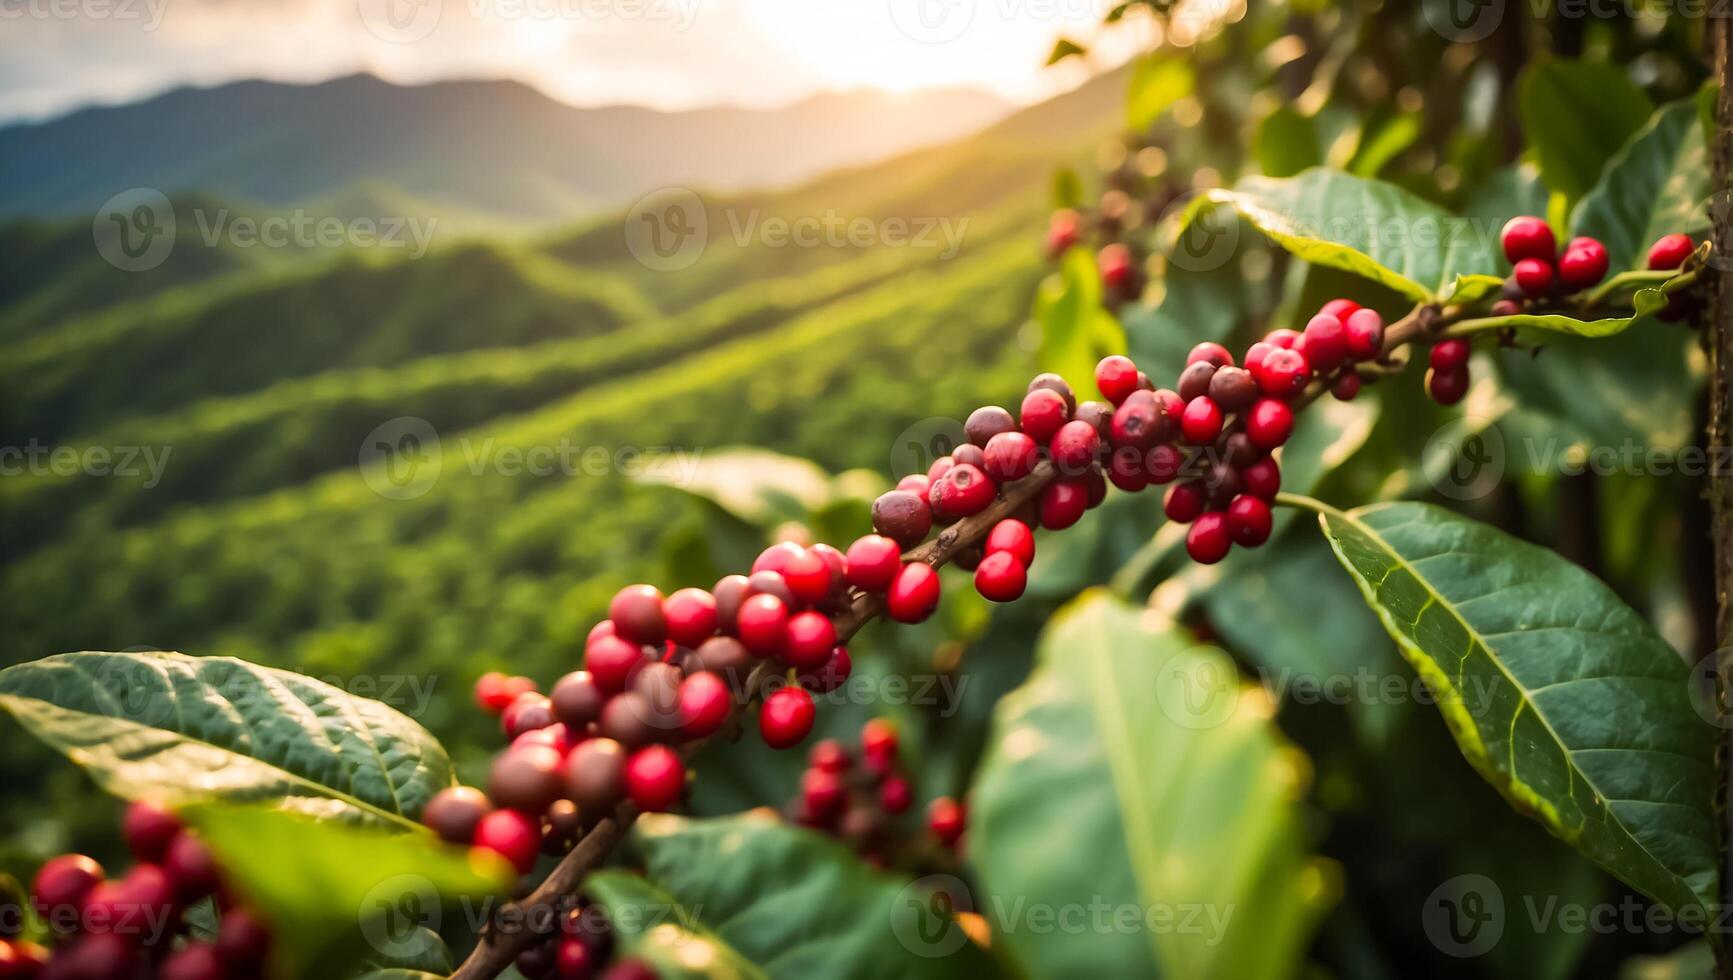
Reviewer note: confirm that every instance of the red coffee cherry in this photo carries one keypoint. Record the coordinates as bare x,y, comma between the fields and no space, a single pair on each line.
895,795
730,591
986,422
64,882
1364,332
1114,261
148,829
1202,421
691,616
636,612
191,867
1140,421
917,484
454,813
1447,387
1012,536
1116,376
902,517
1534,276
776,557
596,776
573,960
1670,251
809,638
1063,503
763,624
829,675
1125,469
1505,307
1583,264
1283,373
1044,411
1194,380
494,690
1326,343
786,717
1346,387
1064,229
1255,355
1001,577
611,662
946,819
194,961
705,705
808,576
830,756
1207,540
1074,448
526,779
577,699
1269,423
1057,385
1211,352
914,593
872,562
1448,355
1341,309
526,714
1249,520
878,738
1094,485
1232,389
512,835
655,778
1528,237
1097,415
1185,501
1262,479
767,583
1010,456
823,793
961,492
1284,338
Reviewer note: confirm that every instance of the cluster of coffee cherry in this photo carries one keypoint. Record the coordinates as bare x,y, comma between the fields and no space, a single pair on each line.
135,926
580,949
857,801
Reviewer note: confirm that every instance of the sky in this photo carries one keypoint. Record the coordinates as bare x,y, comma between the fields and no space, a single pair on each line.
62,54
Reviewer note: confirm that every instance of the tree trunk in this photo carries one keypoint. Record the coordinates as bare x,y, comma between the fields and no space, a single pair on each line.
1720,348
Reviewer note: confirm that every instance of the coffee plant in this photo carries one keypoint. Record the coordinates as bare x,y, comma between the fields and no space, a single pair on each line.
1430,237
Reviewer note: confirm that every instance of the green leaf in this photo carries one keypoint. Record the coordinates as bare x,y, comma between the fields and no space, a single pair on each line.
650,925
797,904
180,729
1569,703
1130,772
1157,82
1655,186
1472,289
1645,301
1286,143
1576,115
1075,331
1367,227
1065,48
1385,143
338,887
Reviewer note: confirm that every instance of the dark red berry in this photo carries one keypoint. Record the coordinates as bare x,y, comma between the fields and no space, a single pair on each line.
194,961
1233,389
945,818
1283,373
730,591
935,472
895,795
1064,229
611,662
830,756
691,616
63,883
1262,479
1534,276
192,868
1249,520
1448,355
1063,503
1325,343
655,778
767,583
1163,463
454,812
1044,411
148,829
1210,352
1447,387
829,675
1074,448
1202,421
872,562
1001,577
961,492
596,776
1125,469
1269,423
1185,501
810,636
577,699
1505,307
986,422
1346,387
786,717
1341,309
902,517
1364,332
917,484
878,740
1114,261
573,960
510,834
823,793
1528,237
705,705
1098,416
763,624
1054,383
1140,421
970,454
1207,540
243,942
726,657
913,594
1010,456
1671,251
529,712
526,779
1195,379
1116,376
1583,264
636,612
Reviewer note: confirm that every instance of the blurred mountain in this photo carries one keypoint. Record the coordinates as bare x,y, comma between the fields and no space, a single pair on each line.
469,148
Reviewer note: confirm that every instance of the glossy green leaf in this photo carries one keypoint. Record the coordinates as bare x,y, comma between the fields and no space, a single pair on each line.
345,892
1568,702
1472,288
649,925
1076,332
797,904
1177,800
1157,82
180,729
1576,115
1656,185
1367,227
1644,302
